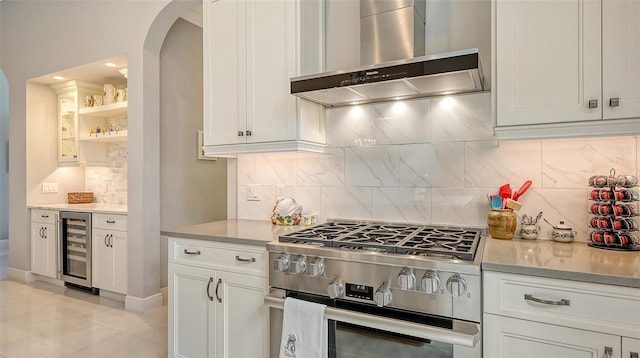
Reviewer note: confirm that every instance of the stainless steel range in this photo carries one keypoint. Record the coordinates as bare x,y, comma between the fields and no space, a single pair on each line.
391,287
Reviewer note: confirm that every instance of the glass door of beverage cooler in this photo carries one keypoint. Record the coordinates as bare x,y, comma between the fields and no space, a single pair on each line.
75,234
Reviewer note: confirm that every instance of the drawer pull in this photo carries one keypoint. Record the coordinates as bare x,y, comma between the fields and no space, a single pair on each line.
633,354
252,259
45,216
197,252
562,302
111,221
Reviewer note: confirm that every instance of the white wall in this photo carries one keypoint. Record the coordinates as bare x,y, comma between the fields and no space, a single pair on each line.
433,161
40,37
192,191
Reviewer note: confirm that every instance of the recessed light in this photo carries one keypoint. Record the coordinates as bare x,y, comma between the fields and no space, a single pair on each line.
109,64
59,78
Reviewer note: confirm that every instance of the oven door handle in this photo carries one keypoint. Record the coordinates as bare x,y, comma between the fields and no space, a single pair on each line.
466,334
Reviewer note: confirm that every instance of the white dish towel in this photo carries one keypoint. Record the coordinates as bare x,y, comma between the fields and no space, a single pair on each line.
304,330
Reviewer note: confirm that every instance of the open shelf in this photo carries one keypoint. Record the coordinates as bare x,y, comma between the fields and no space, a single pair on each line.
106,111
121,136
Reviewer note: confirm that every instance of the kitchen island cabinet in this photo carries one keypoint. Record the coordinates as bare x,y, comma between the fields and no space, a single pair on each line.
216,299
575,76
251,50
44,243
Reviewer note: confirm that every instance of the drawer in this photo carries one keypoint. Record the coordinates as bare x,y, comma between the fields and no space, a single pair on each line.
597,307
109,222
43,216
227,257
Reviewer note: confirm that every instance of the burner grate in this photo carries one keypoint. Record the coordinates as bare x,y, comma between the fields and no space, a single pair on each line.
417,240
443,242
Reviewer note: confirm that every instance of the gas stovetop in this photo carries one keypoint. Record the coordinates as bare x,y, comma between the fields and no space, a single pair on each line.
419,240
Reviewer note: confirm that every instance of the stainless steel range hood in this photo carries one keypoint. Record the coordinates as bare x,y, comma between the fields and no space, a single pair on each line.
392,35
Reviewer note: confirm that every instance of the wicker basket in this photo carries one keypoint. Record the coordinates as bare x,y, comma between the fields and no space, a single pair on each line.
80,197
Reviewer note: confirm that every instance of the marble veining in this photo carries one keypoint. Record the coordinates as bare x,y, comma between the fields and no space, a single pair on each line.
432,161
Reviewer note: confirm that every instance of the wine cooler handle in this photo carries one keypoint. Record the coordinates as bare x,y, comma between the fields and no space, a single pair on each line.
217,287
208,287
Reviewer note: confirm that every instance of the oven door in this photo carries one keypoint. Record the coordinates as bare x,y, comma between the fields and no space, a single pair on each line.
360,332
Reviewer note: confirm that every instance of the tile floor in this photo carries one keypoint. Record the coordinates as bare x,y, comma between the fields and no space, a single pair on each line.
44,320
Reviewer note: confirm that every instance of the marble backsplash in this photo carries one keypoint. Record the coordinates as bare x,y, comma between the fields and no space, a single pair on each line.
109,184
431,161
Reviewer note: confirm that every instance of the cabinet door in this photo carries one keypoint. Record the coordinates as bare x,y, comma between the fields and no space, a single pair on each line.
224,49
271,62
548,61
102,260
241,316
67,128
620,53
44,249
191,312
109,267
630,348
509,337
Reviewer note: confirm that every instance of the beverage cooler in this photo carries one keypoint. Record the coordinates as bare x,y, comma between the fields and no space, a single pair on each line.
75,238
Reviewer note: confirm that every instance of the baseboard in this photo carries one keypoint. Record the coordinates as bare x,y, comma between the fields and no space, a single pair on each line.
165,294
112,295
143,305
19,275
53,281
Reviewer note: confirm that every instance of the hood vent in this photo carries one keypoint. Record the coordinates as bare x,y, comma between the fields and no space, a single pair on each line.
393,39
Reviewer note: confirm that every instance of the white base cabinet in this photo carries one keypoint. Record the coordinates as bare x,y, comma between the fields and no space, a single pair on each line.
109,251
528,316
44,243
216,300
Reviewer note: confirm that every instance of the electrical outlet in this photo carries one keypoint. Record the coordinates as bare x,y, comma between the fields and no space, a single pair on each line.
49,188
281,191
253,192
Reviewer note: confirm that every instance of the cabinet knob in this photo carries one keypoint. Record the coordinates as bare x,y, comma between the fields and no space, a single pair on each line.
614,102
240,133
593,103
248,133
608,352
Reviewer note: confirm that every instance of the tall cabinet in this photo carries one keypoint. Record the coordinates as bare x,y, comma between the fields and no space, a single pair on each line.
251,50
567,67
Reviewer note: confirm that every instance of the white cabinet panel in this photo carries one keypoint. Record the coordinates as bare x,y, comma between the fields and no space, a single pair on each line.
548,61
523,339
630,348
191,312
44,249
109,266
620,58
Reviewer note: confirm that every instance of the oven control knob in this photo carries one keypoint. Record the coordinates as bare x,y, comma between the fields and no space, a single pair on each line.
299,264
335,289
430,282
406,279
383,296
456,286
316,267
281,263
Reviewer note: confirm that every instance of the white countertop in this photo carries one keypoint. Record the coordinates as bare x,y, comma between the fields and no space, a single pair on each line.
249,232
573,261
91,207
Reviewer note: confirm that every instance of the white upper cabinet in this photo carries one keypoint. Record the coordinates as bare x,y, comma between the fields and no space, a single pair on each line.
251,50
621,58
561,65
